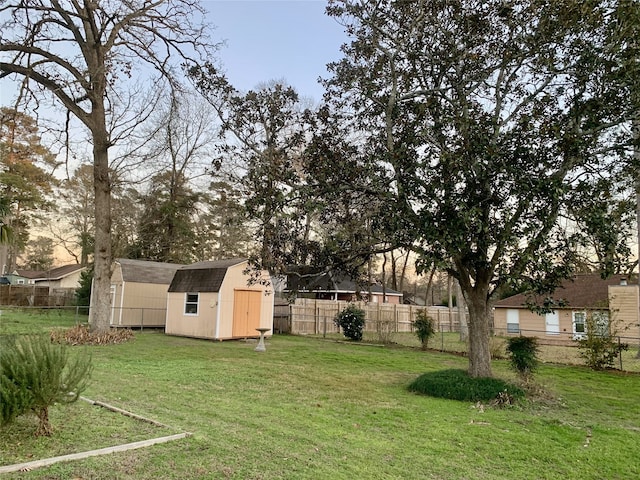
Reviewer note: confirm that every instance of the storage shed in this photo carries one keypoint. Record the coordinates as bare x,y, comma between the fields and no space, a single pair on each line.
139,292
215,300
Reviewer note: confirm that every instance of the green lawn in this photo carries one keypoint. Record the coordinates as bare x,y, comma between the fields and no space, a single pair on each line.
312,409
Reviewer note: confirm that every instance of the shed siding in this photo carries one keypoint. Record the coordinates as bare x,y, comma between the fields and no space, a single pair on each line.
236,279
144,304
201,325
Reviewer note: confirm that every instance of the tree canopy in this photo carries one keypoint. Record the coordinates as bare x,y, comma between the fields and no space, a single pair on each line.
483,123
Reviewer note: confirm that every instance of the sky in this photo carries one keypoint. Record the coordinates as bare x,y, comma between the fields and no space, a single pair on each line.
276,39
290,40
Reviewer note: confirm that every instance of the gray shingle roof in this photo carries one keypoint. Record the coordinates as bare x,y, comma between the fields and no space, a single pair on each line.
144,271
202,276
53,274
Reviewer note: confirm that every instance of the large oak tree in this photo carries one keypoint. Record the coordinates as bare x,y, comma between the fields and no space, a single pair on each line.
83,53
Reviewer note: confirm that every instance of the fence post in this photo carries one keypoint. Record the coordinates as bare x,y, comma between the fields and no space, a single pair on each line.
620,352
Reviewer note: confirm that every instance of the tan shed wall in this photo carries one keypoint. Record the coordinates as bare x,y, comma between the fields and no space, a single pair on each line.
624,304
143,305
236,279
201,325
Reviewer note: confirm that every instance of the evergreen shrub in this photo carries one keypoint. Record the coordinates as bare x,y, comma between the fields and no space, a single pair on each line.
36,374
351,321
523,355
456,384
424,327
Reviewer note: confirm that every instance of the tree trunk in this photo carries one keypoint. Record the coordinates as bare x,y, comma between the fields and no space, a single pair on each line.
636,156
101,295
464,329
479,319
44,427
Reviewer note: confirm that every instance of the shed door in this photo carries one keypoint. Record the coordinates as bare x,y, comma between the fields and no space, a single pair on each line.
246,312
552,321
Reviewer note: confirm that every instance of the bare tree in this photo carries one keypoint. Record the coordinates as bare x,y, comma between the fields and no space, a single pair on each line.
83,53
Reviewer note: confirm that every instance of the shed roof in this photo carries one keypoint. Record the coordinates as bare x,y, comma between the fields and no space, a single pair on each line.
581,291
202,276
145,271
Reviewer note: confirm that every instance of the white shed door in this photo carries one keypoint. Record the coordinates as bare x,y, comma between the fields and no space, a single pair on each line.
552,320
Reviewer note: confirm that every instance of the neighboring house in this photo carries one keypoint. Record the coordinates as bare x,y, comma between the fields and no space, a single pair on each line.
67,276
330,286
214,300
15,278
139,292
608,301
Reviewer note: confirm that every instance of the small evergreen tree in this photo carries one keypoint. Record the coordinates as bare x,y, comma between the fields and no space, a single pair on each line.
424,327
83,292
523,355
351,321
35,374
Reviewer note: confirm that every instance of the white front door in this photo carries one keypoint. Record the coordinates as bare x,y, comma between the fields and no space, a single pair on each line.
552,321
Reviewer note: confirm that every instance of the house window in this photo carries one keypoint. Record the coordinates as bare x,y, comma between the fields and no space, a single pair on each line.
579,325
21,281
579,322
191,304
513,321
601,323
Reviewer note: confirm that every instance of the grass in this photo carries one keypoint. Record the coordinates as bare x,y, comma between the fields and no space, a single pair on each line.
20,321
309,409
450,342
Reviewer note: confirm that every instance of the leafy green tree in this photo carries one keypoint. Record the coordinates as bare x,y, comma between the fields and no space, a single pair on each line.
39,254
35,374
166,232
6,233
265,131
480,123
224,229
26,177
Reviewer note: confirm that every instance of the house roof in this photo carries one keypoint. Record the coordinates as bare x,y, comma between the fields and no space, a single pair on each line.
145,271
331,282
52,274
202,276
582,291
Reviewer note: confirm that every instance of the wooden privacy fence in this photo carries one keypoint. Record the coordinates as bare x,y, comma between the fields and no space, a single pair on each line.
315,317
36,296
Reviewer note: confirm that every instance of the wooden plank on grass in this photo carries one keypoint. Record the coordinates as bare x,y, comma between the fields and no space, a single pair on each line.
25,467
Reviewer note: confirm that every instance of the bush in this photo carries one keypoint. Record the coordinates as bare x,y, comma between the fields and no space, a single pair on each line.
424,327
351,321
385,330
458,385
523,355
599,346
35,374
